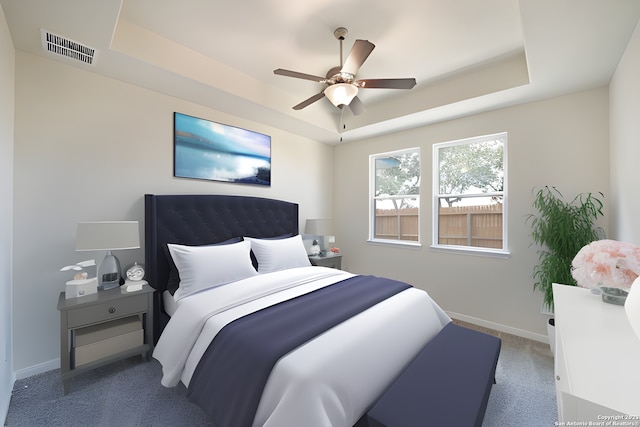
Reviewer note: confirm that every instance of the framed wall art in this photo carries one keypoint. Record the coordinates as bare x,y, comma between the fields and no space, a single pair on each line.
213,151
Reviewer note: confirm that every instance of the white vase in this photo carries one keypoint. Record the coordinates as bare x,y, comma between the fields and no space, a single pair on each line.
632,307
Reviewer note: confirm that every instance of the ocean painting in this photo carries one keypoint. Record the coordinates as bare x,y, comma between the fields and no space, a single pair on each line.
207,150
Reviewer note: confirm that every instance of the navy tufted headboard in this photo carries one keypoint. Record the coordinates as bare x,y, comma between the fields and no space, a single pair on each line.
205,219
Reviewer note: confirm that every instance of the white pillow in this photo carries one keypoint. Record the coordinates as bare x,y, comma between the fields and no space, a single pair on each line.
279,254
204,267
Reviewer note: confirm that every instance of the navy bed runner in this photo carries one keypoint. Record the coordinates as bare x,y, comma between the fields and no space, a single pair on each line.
231,375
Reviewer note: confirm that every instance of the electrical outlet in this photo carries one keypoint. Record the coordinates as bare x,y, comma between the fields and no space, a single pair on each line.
332,239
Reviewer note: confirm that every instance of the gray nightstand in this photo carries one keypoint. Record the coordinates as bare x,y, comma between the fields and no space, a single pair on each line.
332,261
102,328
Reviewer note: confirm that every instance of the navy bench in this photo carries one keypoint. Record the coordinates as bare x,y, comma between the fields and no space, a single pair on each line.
447,384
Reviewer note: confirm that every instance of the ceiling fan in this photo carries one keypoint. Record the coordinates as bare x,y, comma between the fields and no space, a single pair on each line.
342,89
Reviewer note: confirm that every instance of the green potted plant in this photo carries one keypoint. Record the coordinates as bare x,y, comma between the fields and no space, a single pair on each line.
560,229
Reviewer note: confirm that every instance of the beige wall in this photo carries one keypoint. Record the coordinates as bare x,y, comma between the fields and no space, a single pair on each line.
7,97
561,142
88,148
625,144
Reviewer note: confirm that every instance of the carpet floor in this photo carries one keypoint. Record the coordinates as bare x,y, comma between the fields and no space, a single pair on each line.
128,393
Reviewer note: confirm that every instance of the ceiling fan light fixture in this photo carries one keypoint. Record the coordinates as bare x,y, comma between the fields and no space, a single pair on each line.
341,93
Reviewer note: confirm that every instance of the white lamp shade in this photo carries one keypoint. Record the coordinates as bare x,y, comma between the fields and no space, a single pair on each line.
341,93
107,235
319,227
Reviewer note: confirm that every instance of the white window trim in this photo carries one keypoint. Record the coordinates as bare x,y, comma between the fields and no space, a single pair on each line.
372,203
395,243
470,250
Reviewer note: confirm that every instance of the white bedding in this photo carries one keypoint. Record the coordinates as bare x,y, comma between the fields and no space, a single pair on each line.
170,305
329,381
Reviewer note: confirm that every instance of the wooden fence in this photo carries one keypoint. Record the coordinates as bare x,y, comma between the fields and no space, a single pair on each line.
397,224
479,226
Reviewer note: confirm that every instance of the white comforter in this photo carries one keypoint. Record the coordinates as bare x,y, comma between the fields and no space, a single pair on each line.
329,381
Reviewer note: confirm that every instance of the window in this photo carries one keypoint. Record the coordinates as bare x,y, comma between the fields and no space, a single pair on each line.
395,197
470,193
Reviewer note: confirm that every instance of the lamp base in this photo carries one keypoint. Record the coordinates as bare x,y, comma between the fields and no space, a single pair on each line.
109,272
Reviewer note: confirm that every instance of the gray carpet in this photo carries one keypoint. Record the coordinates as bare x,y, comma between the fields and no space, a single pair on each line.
524,393
128,393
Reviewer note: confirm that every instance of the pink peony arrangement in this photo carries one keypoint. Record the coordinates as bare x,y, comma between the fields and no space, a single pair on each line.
607,263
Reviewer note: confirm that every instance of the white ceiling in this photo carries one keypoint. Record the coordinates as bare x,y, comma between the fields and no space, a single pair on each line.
466,55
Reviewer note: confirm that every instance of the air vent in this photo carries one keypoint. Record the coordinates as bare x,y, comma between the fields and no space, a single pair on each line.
71,49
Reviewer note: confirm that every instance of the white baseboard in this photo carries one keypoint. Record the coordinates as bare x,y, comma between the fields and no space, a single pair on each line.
500,327
37,369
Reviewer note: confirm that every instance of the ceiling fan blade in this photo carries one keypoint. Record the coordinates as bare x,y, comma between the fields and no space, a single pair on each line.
387,83
357,107
309,101
359,53
297,75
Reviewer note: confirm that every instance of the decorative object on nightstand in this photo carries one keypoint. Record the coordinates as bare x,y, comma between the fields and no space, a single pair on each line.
108,236
81,285
314,250
103,328
322,228
134,278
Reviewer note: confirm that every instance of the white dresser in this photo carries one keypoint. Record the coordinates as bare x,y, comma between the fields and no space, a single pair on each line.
597,360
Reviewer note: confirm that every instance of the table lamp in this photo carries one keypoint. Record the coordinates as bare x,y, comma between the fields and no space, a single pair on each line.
108,236
322,228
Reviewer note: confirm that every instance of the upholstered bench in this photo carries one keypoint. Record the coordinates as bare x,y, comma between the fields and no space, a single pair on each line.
447,384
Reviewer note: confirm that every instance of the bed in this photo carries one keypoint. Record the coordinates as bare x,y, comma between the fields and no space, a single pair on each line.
330,378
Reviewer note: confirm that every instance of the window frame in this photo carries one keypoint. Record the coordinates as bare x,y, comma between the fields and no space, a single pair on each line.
472,250
373,198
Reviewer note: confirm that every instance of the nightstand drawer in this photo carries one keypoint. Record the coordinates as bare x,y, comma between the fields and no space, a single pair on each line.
115,309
